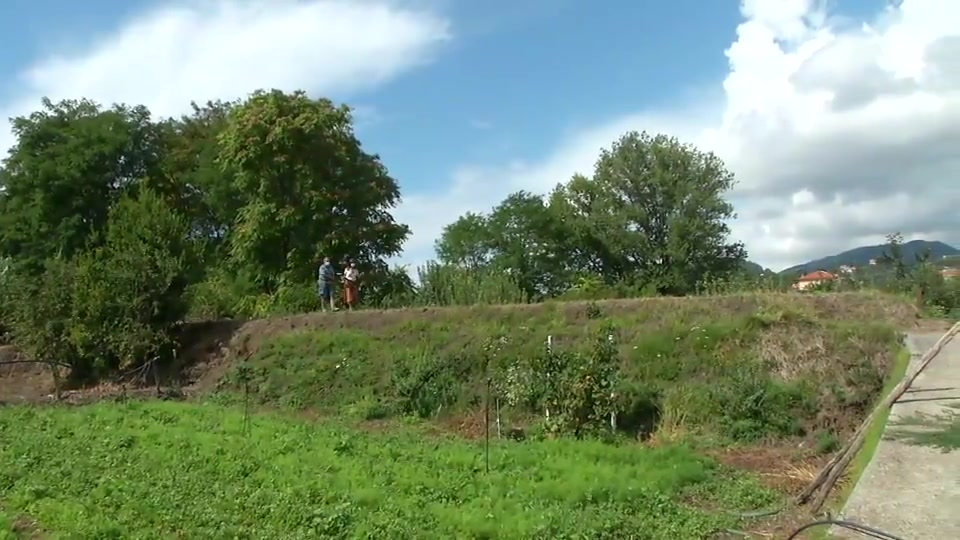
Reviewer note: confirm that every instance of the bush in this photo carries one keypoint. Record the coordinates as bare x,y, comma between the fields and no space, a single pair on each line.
593,288
942,296
388,288
114,306
130,292
574,390
221,295
39,311
447,285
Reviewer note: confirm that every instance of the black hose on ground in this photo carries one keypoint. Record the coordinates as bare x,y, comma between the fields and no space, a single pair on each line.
758,513
850,525
862,529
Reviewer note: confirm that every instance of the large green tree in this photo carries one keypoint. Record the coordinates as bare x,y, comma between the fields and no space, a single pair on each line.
652,216
467,242
309,189
654,213
71,162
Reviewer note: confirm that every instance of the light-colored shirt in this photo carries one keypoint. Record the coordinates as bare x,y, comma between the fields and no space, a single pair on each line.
351,274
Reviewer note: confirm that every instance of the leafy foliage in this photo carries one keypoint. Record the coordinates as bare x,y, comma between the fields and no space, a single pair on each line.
207,192
119,226
651,217
521,236
71,163
39,310
310,190
128,293
112,306
453,285
575,390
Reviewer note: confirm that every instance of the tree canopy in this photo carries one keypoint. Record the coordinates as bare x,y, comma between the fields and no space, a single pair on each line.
310,188
72,161
116,226
652,216
137,221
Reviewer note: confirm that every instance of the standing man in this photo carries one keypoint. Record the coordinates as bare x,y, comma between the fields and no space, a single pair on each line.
326,277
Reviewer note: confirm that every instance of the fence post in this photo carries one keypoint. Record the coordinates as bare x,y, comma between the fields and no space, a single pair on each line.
549,351
613,396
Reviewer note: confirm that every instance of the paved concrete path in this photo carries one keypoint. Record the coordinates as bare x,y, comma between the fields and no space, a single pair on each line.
907,490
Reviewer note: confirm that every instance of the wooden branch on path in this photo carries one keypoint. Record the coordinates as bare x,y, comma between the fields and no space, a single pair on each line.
831,472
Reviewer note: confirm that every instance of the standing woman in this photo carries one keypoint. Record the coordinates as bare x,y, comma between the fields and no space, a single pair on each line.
351,282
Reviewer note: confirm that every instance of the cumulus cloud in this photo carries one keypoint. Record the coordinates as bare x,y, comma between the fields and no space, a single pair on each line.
173,54
838,134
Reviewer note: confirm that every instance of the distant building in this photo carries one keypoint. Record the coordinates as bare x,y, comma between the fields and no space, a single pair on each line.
873,262
812,279
847,269
950,273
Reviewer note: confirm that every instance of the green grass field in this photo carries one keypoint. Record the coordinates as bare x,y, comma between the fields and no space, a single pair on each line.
174,470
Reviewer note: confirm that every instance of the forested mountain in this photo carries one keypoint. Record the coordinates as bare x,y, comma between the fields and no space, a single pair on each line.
861,256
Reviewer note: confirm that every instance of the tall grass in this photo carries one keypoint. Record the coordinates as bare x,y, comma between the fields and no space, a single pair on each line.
445,285
435,285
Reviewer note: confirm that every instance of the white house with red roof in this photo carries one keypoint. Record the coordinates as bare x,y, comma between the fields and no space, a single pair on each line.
812,279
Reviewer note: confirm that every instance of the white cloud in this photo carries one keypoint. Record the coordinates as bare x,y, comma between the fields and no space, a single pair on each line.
221,50
838,134
482,125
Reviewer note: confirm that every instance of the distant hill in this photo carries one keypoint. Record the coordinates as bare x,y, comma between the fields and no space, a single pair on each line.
753,268
861,256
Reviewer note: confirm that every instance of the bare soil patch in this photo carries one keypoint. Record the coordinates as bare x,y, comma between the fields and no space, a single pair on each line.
22,382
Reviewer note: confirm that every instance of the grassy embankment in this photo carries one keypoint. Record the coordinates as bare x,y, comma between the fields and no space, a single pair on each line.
736,368
699,373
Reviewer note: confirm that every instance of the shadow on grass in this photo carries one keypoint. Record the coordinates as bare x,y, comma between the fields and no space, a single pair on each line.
934,430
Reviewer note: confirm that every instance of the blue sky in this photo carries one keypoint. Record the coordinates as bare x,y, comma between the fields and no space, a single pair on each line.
513,84
514,78
468,100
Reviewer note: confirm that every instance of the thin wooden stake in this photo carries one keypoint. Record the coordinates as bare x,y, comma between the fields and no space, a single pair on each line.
55,370
486,424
